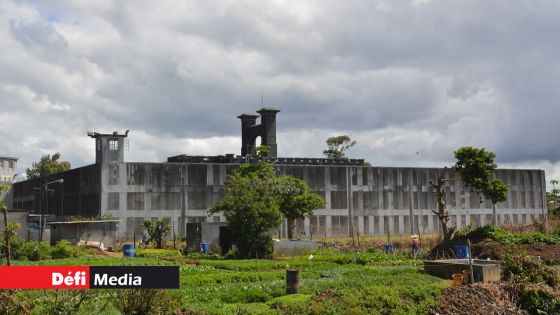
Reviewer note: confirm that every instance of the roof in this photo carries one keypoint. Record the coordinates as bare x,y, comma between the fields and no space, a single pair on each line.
85,221
3,157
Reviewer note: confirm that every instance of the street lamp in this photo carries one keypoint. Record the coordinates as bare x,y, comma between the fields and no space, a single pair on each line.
44,188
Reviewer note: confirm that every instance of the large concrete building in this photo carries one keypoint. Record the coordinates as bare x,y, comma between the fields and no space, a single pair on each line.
359,199
8,166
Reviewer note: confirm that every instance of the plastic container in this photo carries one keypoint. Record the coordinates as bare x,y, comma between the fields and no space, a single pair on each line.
128,250
457,278
204,248
462,251
389,248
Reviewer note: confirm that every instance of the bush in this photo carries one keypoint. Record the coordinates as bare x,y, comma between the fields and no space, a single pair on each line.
16,243
534,285
144,301
538,299
35,251
63,249
502,236
154,252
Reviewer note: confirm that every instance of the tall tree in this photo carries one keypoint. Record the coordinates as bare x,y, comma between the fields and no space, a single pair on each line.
337,146
297,201
251,207
47,165
477,168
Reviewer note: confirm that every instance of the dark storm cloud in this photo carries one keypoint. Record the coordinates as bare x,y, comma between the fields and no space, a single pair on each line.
400,76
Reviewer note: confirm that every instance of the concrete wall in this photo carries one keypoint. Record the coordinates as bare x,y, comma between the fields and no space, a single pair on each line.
8,166
103,232
19,217
378,199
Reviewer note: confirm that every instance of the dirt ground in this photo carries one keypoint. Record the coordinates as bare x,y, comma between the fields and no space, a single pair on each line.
478,298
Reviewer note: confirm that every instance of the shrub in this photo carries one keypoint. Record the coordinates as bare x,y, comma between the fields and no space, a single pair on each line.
154,252
63,249
538,299
35,251
144,301
16,243
502,236
527,269
157,230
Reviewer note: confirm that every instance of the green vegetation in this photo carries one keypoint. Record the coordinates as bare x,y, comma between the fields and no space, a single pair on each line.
553,198
157,230
253,203
296,201
331,283
476,167
35,251
155,252
250,206
535,286
47,165
337,147
507,238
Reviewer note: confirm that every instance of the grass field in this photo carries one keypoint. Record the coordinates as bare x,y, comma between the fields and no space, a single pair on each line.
331,283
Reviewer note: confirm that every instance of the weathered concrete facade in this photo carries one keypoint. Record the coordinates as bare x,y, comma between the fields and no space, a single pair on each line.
8,166
359,200
376,200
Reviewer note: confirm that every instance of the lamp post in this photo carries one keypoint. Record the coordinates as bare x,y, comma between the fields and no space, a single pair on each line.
44,189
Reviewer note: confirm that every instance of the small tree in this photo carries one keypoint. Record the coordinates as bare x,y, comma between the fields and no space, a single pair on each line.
296,200
337,146
7,231
157,230
262,151
553,198
476,166
47,165
251,207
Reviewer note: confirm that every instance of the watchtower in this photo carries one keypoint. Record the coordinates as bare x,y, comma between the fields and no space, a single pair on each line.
109,147
266,130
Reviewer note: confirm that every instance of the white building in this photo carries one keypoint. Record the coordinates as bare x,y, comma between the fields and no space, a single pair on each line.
8,167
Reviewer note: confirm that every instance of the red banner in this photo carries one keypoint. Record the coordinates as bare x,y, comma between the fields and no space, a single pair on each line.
44,277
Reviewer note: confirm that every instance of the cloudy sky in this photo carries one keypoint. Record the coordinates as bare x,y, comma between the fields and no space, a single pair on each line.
400,77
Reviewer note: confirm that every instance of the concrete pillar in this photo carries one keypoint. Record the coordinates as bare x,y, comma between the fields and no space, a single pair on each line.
306,226
381,225
210,174
371,226
431,224
328,225
391,225
361,225
401,225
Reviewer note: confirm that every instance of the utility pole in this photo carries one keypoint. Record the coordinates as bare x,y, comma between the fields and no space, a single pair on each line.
44,203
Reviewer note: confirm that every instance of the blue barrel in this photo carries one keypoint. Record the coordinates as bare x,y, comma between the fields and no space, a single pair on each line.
462,251
204,248
389,248
128,250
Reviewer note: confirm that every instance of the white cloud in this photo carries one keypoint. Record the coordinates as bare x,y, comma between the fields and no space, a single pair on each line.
400,77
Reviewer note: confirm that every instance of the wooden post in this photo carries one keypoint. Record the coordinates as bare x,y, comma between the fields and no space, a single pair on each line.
292,281
470,261
173,227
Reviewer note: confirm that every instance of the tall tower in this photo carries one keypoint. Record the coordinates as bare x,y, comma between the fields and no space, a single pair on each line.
109,147
266,130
